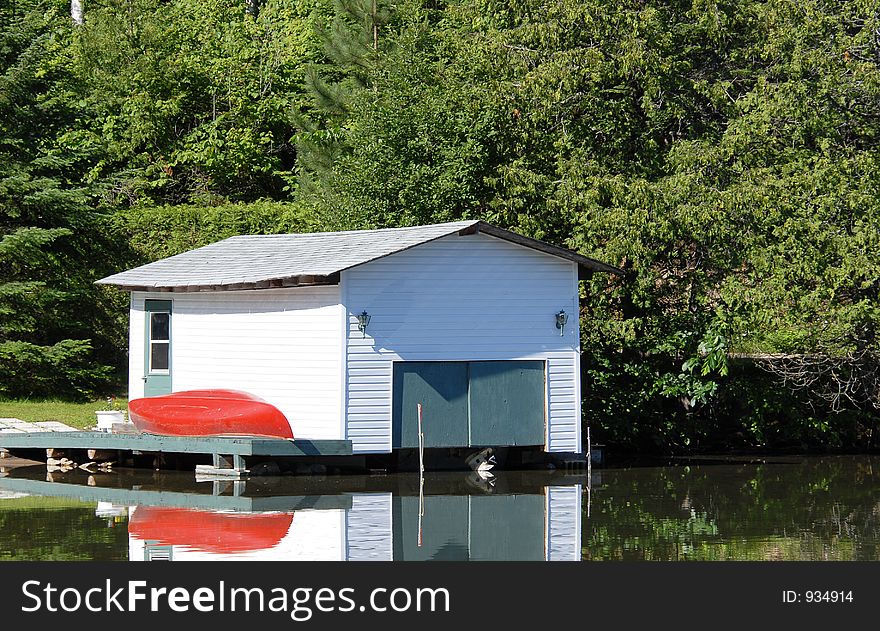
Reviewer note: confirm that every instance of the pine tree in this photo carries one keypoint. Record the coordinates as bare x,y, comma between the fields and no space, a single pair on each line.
47,303
353,46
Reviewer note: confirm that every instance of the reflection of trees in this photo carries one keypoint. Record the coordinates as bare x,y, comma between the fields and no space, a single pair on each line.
819,509
64,532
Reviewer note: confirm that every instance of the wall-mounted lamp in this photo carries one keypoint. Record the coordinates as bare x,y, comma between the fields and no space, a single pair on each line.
561,321
363,322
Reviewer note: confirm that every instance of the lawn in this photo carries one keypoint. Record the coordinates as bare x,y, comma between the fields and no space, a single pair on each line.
79,415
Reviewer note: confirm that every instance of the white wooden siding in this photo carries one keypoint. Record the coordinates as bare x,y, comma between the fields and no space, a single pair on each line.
283,345
368,527
564,523
460,298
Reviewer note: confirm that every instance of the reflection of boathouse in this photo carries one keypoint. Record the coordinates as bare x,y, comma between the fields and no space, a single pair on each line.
371,527
523,515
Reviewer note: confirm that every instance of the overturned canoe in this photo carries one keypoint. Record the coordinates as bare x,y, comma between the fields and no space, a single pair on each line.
209,531
209,413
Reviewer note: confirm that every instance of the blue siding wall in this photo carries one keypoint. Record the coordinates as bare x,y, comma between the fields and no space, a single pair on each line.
460,298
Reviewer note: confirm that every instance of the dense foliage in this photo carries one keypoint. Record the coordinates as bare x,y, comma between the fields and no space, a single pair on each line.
724,153
60,530
815,509
56,330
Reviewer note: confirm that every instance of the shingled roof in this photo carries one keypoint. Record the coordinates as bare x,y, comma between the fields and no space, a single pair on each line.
289,260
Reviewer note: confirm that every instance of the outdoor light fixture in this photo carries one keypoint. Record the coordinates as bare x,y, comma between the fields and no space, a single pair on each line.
561,321
363,321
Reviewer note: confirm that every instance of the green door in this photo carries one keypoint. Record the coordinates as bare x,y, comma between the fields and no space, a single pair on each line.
506,403
441,388
495,403
157,355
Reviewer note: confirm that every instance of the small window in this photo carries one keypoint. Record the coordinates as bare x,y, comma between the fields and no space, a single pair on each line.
160,349
159,357
159,325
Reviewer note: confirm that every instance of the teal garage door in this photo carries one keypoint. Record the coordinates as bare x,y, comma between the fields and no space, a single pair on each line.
440,387
494,403
506,403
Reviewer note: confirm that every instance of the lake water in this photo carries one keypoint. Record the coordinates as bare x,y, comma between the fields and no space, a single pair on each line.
791,508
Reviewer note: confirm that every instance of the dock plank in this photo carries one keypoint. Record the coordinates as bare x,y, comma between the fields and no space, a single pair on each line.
243,446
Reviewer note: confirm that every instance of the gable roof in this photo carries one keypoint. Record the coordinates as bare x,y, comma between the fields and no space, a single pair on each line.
289,260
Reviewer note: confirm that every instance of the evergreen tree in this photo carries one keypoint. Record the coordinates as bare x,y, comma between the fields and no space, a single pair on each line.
48,236
724,153
354,43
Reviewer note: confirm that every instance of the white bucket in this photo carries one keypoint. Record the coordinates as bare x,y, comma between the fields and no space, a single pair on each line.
106,419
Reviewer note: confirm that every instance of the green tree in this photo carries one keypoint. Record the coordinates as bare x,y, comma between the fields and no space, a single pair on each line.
723,153
191,99
353,54
54,325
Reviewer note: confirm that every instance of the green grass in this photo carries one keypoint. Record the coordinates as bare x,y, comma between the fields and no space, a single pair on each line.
41,502
79,415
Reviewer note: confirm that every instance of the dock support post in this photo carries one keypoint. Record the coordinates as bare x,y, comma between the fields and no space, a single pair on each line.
233,466
234,462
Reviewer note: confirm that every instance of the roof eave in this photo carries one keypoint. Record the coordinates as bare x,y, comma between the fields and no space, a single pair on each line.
273,283
586,265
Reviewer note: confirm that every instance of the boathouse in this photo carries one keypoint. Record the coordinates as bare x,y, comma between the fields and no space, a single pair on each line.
346,332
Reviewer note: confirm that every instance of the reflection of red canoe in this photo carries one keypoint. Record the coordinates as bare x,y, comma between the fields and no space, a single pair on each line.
209,531
209,413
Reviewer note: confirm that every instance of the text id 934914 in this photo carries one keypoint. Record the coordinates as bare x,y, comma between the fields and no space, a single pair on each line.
818,596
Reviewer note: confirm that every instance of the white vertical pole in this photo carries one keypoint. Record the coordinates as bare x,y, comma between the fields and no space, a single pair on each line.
421,505
421,443
589,472
76,11
421,475
589,450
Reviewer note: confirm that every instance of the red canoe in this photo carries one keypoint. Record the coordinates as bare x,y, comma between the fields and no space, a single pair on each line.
209,531
209,413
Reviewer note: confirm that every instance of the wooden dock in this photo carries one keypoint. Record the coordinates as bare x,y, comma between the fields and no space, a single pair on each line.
177,444
228,454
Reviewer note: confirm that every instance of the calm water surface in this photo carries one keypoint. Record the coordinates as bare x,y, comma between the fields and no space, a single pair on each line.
794,508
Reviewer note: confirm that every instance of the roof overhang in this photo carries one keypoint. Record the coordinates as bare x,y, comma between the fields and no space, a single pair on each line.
586,266
274,283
